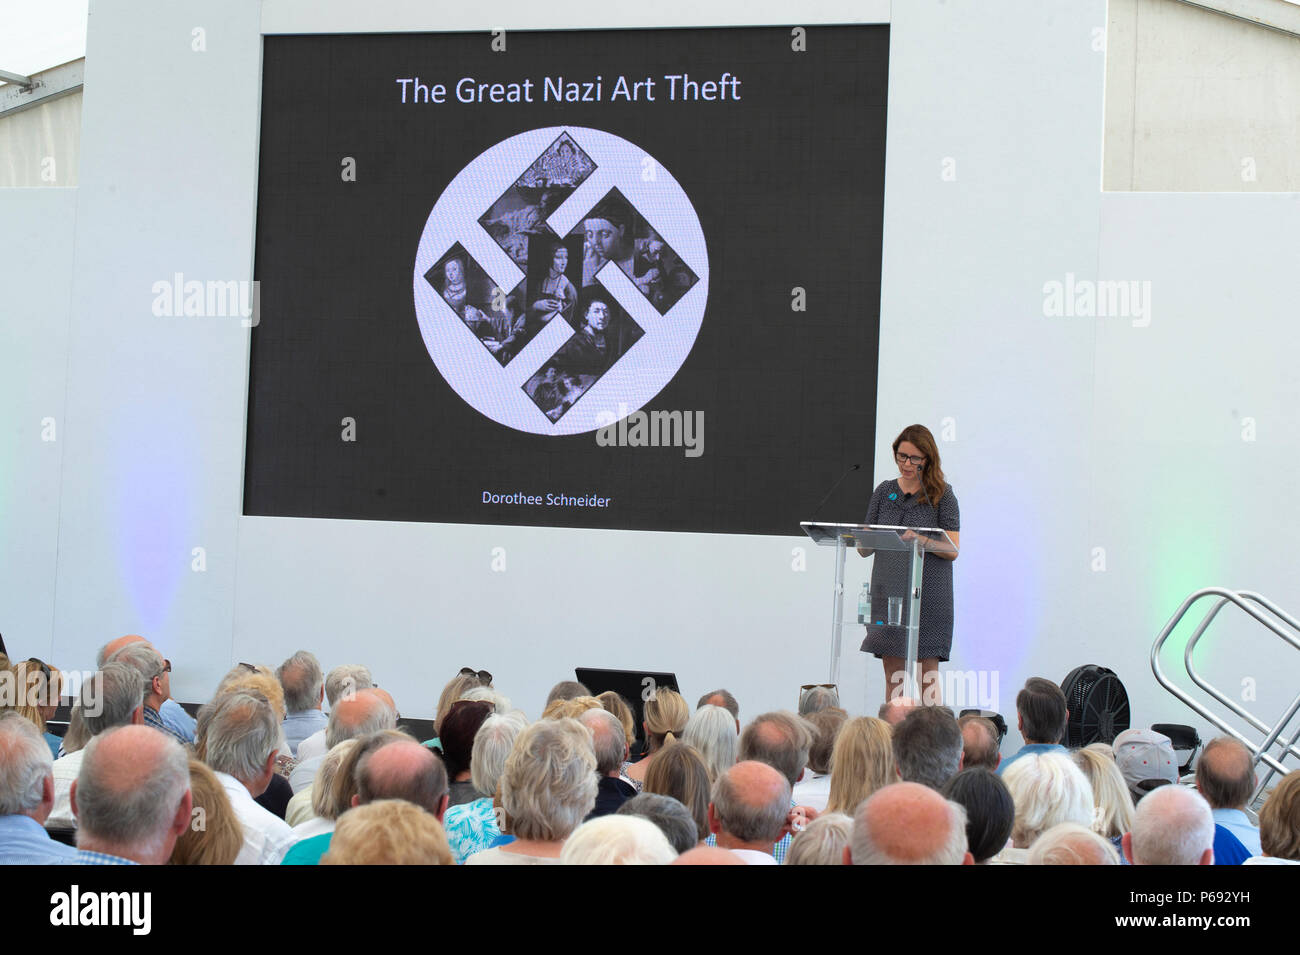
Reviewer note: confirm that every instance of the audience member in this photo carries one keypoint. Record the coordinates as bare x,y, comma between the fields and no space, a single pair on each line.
610,746
239,744
712,731
26,796
566,690
547,789
1112,804
814,788
814,699
1048,789
214,835
345,789
111,696
708,855
313,811
617,840
673,819
614,703
131,797
178,721
388,832
1225,777
149,663
570,709
862,762
34,695
1042,717
823,842
894,710
1069,843
456,740
304,694
1279,824
1146,761
749,811
475,826
680,773
1173,825
908,824
354,715
990,811
979,743
341,683
928,747
665,721
724,699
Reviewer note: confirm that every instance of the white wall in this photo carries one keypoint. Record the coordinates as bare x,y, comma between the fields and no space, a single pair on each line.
1054,417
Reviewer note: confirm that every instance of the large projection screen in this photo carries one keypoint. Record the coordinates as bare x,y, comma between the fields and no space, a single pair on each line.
613,279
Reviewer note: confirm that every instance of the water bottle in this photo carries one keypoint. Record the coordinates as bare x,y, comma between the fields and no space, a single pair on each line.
864,603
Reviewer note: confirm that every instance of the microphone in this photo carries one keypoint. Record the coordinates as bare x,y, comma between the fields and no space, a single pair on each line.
851,469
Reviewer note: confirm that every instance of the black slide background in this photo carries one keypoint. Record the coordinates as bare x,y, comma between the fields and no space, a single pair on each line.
788,184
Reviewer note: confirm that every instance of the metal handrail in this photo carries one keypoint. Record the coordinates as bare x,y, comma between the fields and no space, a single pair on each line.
1243,599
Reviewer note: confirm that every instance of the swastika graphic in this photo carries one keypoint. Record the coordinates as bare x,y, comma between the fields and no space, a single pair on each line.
560,280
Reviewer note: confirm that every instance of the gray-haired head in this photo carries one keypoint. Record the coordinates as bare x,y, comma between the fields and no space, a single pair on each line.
823,842
751,801
357,715
1173,825
818,698
302,680
25,763
242,732
132,782
143,658
927,746
345,680
712,730
722,698
549,783
1072,844
492,745
673,819
110,696
607,740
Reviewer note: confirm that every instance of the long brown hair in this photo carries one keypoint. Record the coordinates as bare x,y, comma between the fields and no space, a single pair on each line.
932,482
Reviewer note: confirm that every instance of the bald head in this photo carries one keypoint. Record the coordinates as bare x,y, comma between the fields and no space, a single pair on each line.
132,795
979,743
1225,774
607,739
707,855
908,824
895,710
751,801
1172,826
403,770
386,697
359,714
110,648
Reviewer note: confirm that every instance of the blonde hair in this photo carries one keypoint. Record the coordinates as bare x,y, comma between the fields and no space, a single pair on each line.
32,693
322,787
614,703
214,835
862,762
571,709
262,679
388,832
666,715
1113,806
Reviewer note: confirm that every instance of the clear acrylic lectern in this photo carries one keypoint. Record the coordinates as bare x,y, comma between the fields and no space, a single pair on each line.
898,554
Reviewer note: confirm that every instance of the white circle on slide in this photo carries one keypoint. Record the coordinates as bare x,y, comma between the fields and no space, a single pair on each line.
646,367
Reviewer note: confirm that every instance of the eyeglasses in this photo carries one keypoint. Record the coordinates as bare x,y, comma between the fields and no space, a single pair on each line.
915,460
483,675
167,668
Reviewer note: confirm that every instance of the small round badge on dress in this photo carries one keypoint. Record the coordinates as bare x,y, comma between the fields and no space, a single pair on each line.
893,495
